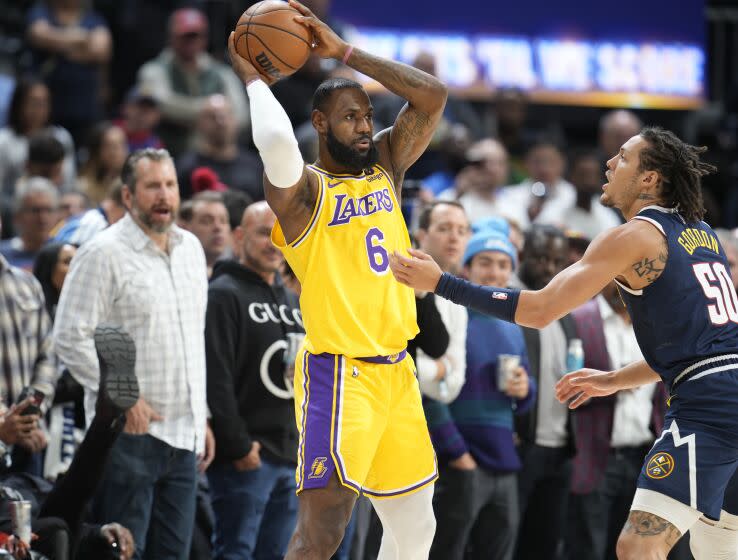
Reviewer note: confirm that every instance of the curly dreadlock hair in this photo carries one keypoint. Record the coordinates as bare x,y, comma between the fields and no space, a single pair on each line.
680,168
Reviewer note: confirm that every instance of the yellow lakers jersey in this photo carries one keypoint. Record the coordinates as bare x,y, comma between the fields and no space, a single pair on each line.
351,304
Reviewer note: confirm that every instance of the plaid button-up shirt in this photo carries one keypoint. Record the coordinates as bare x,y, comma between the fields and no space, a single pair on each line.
25,336
120,277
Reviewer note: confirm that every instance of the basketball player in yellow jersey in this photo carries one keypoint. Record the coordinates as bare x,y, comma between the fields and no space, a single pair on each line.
357,401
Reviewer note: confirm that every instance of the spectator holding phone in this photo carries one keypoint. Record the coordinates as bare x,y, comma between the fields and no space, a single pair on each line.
25,346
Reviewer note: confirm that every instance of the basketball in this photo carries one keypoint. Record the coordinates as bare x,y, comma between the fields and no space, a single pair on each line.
268,36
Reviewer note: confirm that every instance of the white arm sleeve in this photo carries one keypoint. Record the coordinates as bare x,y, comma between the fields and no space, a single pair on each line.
274,137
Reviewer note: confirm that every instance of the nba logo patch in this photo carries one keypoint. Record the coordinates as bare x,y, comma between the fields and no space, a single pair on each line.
499,295
660,465
318,469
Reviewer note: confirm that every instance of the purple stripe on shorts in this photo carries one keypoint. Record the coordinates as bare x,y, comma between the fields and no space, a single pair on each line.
337,420
305,399
318,463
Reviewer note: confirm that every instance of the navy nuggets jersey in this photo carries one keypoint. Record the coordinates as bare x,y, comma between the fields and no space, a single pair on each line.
690,312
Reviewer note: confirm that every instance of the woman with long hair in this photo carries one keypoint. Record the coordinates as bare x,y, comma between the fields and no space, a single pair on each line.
50,269
28,114
107,150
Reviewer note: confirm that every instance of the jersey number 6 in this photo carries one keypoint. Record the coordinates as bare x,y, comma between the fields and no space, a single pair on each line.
378,257
725,307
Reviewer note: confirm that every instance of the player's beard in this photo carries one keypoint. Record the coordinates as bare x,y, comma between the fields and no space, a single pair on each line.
349,157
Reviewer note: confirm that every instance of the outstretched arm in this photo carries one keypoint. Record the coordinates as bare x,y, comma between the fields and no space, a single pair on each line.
286,187
426,95
608,256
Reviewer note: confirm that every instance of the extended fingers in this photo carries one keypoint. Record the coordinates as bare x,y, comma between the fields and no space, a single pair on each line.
401,277
418,254
300,8
566,389
402,260
306,20
580,400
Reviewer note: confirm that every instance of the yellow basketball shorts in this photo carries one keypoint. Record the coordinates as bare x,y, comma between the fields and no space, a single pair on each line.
364,420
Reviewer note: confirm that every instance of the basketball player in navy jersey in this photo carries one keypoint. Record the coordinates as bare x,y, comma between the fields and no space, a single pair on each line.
673,276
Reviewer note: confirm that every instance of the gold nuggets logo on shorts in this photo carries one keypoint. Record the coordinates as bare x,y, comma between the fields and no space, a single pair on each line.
660,465
318,469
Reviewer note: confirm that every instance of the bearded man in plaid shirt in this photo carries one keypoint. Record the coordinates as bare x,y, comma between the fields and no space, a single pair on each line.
148,277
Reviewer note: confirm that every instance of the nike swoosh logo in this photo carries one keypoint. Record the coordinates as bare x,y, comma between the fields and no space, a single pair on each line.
331,185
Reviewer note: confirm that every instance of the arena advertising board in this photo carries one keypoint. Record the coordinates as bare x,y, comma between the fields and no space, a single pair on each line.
630,53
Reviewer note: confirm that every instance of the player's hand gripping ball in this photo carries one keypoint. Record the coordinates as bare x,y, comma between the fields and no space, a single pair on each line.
268,36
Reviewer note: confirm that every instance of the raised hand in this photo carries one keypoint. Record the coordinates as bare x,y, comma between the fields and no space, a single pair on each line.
245,71
327,43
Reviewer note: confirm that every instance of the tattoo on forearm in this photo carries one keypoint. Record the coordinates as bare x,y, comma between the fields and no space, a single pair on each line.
399,78
646,524
414,127
651,269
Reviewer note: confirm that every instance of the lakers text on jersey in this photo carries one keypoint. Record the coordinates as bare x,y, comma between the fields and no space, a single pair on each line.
350,302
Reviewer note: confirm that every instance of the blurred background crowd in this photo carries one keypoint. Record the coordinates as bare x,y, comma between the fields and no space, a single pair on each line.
507,194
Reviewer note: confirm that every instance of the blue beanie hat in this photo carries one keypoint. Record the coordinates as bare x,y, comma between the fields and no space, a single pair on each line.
490,240
493,223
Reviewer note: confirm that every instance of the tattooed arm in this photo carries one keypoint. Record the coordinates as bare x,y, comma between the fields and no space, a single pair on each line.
625,252
402,144
407,139
612,254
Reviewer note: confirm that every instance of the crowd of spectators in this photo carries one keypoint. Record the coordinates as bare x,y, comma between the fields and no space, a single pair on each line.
123,118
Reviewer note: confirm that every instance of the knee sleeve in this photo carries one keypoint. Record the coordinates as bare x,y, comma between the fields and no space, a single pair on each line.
710,540
408,525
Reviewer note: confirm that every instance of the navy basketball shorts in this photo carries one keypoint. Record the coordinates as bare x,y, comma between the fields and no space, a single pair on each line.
696,455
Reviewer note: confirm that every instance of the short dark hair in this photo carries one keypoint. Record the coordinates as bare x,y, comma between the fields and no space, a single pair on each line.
424,220
543,230
208,197
545,141
15,108
236,202
128,173
186,211
325,90
45,149
680,168
580,154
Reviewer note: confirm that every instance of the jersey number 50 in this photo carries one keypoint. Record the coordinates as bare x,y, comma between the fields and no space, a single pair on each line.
725,306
